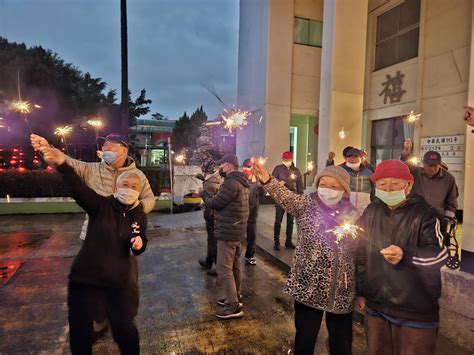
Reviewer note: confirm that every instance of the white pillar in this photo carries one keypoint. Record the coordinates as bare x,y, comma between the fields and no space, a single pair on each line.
467,254
342,76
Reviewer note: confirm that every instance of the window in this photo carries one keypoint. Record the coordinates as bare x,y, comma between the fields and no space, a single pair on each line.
294,141
387,139
308,32
398,32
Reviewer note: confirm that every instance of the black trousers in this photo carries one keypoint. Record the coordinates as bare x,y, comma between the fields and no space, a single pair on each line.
279,212
251,237
308,322
211,257
121,309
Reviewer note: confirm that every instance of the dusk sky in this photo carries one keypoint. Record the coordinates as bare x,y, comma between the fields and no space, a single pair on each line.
174,45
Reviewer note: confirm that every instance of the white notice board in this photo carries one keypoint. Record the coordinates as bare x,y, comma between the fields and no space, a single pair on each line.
451,149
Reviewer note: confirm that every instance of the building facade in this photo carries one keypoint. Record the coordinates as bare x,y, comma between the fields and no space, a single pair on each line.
320,70
151,137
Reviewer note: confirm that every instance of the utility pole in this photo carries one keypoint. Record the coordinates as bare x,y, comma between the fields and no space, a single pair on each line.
124,54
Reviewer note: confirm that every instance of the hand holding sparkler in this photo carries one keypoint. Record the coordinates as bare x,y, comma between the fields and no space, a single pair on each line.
38,142
53,156
259,170
137,243
392,254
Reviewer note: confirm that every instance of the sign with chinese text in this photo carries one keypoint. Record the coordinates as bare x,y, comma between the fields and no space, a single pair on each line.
451,149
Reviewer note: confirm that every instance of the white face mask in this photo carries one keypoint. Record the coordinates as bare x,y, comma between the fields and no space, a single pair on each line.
287,163
353,166
330,197
127,196
109,157
391,198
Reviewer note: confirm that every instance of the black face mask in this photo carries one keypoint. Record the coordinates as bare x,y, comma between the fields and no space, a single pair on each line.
222,172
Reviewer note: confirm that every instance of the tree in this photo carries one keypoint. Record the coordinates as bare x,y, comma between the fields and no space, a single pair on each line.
187,130
157,116
124,109
137,108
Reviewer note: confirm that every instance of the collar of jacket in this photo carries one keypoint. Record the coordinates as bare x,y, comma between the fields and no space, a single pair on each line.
438,175
117,205
411,199
129,165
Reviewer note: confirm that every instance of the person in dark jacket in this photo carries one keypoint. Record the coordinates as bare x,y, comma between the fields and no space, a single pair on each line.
211,183
398,265
231,208
255,192
330,159
437,186
291,175
361,186
102,270
322,276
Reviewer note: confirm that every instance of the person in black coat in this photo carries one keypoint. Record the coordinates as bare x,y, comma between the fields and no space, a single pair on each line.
291,176
255,192
102,270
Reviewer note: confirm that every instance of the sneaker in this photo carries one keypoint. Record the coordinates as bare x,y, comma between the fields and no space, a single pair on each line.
251,261
222,301
204,263
230,312
276,246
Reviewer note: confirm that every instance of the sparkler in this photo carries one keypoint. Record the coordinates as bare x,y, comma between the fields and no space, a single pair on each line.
342,134
262,160
414,161
412,117
235,118
181,158
96,123
292,176
310,166
63,132
344,230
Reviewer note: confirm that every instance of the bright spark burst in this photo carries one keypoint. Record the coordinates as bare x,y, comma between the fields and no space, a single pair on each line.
292,176
342,134
63,131
262,160
21,106
310,166
181,158
344,230
96,123
235,118
412,117
414,160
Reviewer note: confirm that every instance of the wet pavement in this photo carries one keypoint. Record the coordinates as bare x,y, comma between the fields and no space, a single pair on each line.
177,301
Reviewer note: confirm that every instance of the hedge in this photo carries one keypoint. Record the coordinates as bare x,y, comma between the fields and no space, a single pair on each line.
41,183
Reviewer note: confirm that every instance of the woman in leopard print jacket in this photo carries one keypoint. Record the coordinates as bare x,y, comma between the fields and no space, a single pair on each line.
322,277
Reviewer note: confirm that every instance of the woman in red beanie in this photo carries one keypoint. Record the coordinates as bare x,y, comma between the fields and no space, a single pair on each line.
398,266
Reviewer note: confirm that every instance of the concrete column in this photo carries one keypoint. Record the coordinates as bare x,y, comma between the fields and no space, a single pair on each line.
265,57
342,75
467,254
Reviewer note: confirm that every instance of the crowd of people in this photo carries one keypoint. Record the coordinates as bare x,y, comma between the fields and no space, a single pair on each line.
390,271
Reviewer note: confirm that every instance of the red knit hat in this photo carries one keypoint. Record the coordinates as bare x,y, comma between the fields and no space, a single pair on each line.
392,169
287,155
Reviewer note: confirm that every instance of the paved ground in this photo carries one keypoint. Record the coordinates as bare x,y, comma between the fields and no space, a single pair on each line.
177,298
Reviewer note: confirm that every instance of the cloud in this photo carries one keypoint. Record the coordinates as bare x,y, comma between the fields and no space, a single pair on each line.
174,45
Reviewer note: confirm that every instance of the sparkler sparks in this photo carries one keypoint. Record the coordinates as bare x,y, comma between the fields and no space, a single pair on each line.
342,134
235,118
96,123
20,106
63,131
414,161
344,230
262,160
181,158
412,117
292,176
310,166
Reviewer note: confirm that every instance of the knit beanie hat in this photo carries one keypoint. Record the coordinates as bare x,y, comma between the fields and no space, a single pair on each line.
127,174
392,168
338,173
